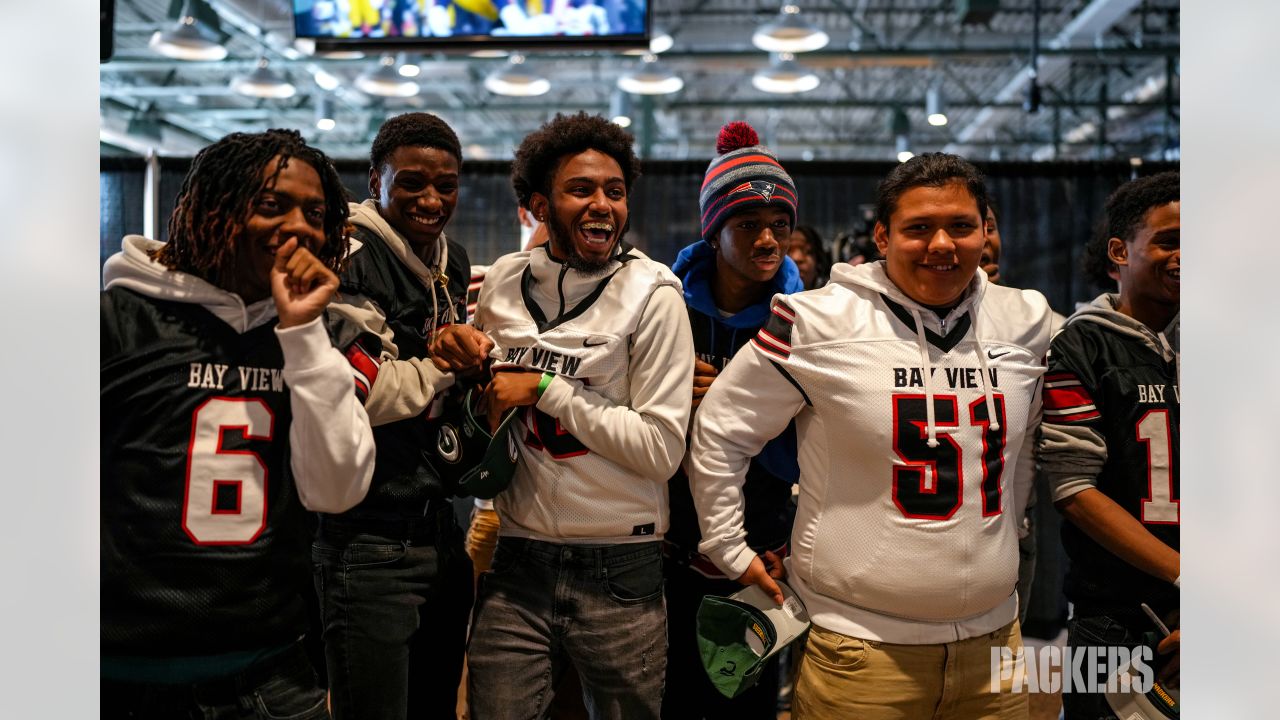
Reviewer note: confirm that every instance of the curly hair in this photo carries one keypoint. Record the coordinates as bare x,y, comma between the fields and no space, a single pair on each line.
929,170
416,129
217,198
1095,263
538,156
1128,205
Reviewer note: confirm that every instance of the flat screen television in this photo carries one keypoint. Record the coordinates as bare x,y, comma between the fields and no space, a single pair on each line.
427,25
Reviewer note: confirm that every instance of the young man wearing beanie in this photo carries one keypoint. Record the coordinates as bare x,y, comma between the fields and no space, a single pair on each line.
915,387
748,204
593,352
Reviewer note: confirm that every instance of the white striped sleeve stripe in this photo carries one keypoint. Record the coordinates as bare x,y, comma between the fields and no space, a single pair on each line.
1071,410
1062,384
784,312
770,339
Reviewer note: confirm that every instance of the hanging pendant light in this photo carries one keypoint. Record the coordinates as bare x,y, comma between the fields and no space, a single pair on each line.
789,33
385,81
785,76
263,82
187,39
651,78
516,79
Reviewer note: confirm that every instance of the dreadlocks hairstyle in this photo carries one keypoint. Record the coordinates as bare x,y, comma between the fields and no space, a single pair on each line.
416,129
929,170
1129,204
539,155
217,195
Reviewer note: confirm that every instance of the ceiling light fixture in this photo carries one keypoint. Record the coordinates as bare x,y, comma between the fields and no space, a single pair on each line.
408,69
263,82
621,109
785,76
325,80
661,41
324,114
515,79
187,39
384,81
651,78
935,107
789,33
900,126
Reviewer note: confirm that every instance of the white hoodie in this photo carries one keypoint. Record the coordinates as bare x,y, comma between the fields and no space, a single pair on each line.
331,444
908,516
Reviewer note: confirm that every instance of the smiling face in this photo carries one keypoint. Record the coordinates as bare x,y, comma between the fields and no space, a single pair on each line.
1150,265
933,243
586,213
417,191
291,205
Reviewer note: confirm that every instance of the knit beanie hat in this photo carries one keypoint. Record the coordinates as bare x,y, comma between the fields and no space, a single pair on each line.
744,175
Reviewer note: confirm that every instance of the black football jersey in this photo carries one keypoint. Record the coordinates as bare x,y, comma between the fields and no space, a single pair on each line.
202,546
1128,393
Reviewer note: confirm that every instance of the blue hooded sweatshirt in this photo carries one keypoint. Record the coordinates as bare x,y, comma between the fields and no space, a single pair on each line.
715,340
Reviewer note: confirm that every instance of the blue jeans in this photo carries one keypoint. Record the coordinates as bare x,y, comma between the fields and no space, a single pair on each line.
1085,630
394,601
544,605
283,686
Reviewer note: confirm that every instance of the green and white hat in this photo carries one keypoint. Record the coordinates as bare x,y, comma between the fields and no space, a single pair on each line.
738,634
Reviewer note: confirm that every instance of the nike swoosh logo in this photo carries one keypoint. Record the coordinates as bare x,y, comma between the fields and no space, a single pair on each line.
993,356
594,342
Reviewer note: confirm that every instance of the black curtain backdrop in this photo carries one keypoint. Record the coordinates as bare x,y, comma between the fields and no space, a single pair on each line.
1046,210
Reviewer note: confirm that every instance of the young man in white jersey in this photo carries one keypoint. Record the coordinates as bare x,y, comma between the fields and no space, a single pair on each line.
593,350
914,383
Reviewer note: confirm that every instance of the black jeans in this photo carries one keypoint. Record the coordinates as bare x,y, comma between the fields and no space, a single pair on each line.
281,687
689,693
1097,629
394,601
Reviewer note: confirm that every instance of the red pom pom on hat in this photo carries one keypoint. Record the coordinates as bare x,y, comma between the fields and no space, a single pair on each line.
735,135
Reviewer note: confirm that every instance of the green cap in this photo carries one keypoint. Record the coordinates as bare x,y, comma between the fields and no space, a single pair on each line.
498,465
738,634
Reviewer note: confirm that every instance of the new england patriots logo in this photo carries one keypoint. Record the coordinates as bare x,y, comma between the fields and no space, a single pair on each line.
759,187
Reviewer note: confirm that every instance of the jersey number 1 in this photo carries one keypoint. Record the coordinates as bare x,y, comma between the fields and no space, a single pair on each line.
225,498
927,485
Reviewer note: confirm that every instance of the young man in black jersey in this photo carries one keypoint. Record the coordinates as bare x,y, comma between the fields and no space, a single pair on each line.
1110,434
392,575
223,403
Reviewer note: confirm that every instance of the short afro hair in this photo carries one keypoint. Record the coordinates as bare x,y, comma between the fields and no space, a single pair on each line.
416,129
929,170
1129,204
538,156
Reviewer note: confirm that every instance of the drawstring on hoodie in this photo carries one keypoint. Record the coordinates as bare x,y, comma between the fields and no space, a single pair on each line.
986,375
931,429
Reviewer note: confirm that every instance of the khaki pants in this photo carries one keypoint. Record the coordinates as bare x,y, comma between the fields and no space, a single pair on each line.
846,677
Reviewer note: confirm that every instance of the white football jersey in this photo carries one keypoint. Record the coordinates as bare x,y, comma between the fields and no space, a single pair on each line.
597,449
908,519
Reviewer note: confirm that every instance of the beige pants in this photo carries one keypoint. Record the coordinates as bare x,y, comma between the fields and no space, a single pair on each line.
845,677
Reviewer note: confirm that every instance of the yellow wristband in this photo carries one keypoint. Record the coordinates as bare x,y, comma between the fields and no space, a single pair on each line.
544,382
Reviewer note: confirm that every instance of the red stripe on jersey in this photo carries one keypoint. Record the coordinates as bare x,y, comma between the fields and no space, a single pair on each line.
768,337
781,355
784,312
363,363
1063,398
1060,377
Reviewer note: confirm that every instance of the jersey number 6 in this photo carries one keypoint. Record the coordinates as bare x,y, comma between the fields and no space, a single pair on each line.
927,485
225,501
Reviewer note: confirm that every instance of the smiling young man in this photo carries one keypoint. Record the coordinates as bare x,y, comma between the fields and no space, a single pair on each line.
914,384
1111,433
748,209
393,578
594,353
224,404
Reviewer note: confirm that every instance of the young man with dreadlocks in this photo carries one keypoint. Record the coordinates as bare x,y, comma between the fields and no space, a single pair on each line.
223,404
393,577
593,351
